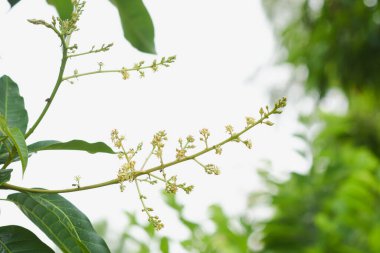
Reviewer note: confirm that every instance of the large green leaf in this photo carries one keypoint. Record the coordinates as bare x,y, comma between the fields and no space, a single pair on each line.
137,24
12,104
17,139
63,7
92,148
15,239
5,175
61,221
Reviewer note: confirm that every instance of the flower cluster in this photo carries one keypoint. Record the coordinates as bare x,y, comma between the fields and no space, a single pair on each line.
127,171
205,134
158,144
171,186
184,147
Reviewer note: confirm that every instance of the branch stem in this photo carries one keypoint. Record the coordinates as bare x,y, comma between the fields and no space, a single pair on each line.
54,92
144,172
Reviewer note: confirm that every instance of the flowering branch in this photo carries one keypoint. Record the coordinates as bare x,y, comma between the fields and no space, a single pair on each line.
250,124
139,67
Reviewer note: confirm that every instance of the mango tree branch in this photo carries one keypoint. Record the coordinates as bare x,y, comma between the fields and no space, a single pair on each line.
125,71
234,137
59,78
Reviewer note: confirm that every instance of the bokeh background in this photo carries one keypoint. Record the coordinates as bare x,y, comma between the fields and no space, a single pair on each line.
311,182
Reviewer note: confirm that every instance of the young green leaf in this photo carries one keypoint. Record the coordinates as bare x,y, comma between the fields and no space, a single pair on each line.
5,175
137,24
19,143
18,239
17,139
61,221
12,104
63,7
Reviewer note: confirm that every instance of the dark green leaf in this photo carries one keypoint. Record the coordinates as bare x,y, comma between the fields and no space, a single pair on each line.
12,104
5,175
137,24
13,2
63,7
92,148
164,245
61,221
15,239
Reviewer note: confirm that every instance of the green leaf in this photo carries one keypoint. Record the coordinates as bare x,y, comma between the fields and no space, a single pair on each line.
5,175
17,139
64,7
13,2
12,104
19,142
92,148
164,245
137,24
18,239
61,221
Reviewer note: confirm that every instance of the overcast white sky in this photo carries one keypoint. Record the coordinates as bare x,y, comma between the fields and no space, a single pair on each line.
219,47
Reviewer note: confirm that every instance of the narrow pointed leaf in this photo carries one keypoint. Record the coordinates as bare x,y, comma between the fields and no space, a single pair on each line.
63,7
19,143
5,175
15,239
12,104
92,148
137,24
61,221
17,140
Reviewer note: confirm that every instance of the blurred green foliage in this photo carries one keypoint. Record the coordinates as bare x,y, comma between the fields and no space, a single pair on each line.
337,40
335,206
229,235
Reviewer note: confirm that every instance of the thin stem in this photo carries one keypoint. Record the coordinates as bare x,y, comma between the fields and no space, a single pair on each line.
54,92
141,197
7,186
147,159
101,71
104,48
80,54
159,178
198,162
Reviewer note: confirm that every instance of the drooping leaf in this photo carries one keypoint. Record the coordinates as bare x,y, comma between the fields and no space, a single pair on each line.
5,175
92,148
61,221
63,7
13,2
17,139
15,239
137,24
12,104
19,142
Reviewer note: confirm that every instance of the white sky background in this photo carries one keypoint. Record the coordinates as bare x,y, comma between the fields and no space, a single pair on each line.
219,46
